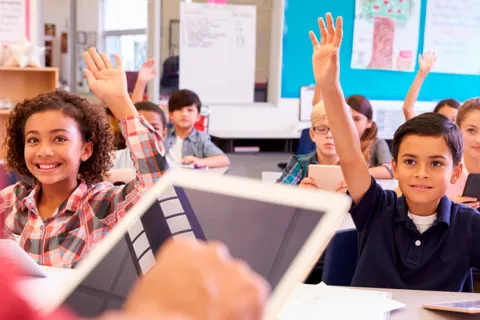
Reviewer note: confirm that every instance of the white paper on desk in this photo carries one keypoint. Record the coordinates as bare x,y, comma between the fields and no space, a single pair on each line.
310,302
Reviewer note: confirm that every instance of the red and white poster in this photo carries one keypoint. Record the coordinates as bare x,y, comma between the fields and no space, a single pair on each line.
386,34
14,20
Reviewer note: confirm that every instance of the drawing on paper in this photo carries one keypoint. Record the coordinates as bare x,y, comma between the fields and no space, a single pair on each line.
384,35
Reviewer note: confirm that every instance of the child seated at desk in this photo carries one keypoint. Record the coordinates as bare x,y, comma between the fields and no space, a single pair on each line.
296,172
468,120
447,107
155,116
184,144
65,144
421,240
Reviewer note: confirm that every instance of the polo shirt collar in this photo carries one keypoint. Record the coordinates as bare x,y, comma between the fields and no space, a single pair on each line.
192,137
443,211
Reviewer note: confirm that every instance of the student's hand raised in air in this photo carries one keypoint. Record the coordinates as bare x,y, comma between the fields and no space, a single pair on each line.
147,71
325,59
199,281
105,80
468,201
109,83
427,61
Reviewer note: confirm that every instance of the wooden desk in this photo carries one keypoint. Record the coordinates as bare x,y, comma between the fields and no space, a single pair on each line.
415,299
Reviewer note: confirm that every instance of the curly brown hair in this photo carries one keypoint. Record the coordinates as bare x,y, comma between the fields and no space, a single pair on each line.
92,123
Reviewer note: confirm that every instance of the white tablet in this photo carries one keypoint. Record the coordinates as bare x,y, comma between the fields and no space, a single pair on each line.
327,177
471,307
279,230
21,262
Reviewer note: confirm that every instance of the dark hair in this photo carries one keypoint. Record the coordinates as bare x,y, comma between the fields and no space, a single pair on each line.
369,138
92,124
431,124
183,98
447,103
150,106
468,106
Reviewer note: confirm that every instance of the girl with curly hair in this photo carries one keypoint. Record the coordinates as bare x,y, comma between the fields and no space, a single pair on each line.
64,145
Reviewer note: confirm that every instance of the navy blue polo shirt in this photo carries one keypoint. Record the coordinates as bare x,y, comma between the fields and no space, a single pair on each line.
393,253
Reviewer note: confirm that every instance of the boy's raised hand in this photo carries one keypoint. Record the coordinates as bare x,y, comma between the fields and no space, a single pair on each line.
106,81
147,71
325,53
427,61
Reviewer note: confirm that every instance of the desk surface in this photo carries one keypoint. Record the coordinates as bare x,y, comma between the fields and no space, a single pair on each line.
415,299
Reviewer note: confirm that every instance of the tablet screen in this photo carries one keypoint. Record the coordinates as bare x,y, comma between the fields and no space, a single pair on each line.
267,236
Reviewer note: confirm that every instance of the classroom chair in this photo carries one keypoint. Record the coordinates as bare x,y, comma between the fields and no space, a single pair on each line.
341,258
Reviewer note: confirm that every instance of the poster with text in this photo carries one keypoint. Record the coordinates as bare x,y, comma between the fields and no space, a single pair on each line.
12,21
452,31
386,34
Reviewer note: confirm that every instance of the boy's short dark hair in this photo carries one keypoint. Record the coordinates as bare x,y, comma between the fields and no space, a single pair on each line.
431,124
150,106
183,98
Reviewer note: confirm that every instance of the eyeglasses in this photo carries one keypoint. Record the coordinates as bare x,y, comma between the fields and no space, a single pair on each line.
323,130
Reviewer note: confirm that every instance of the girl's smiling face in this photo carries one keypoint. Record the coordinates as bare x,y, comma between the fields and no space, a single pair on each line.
54,148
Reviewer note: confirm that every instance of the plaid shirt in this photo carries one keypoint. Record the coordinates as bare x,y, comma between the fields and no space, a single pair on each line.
297,168
90,212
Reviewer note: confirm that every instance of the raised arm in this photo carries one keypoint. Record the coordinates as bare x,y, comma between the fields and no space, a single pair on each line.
146,73
426,63
326,69
317,95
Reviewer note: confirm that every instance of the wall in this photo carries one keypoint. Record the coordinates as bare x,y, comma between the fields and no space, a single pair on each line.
171,10
57,12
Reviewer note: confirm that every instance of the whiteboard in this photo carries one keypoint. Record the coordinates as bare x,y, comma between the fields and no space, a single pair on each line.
452,29
12,21
306,98
217,51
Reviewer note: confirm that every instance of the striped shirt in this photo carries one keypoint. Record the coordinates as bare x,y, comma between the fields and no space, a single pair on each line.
90,212
297,168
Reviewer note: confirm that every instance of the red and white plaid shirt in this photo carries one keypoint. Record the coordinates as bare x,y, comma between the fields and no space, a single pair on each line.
90,212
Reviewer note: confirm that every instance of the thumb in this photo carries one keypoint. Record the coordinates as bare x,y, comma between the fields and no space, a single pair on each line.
90,77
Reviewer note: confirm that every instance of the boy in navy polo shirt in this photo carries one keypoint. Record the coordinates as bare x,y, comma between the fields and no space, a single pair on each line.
421,240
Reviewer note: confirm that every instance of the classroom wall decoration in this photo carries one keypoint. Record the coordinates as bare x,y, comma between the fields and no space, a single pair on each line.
301,16
14,24
452,30
386,34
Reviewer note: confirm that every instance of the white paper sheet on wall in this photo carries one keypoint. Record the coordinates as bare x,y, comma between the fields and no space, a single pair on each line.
452,30
217,51
386,34
12,21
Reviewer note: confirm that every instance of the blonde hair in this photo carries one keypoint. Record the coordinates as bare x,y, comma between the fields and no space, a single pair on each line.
318,113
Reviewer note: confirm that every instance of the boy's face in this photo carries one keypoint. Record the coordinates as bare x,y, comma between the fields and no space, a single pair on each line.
424,170
54,148
471,134
323,140
185,118
155,120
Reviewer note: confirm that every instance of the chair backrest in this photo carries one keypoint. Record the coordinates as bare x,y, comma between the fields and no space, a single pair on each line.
120,175
270,177
305,144
341,258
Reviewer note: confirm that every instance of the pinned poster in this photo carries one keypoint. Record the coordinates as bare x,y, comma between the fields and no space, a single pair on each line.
218,1
386,34
451,31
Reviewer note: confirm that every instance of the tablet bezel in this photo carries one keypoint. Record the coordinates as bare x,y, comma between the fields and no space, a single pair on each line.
335,206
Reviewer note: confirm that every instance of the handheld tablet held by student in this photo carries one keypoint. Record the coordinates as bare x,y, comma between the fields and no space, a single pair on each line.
328,178
470,307
13,254
276,229
472,186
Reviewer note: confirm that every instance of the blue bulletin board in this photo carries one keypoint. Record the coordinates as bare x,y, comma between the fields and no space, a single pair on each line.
301,16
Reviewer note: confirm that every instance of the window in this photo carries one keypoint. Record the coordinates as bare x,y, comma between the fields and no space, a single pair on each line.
125,31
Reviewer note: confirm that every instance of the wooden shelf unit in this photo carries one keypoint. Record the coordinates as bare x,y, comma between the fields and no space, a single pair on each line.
19,84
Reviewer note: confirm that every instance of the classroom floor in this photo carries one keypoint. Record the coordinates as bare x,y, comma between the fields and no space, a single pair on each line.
252,165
